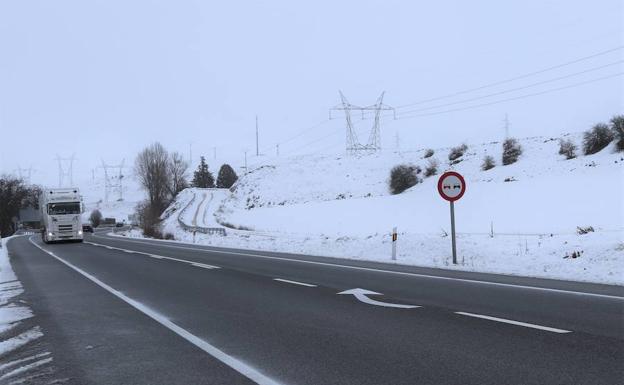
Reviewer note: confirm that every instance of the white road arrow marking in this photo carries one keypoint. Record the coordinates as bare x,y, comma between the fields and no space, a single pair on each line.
361,295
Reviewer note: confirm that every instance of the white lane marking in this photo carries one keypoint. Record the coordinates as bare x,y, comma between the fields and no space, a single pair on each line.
509,321
197,264
234,363
204,266
362,296
561,291
294,282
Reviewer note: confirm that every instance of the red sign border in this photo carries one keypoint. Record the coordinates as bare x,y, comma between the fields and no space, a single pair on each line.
447,174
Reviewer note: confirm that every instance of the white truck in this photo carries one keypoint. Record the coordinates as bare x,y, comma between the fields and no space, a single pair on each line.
61,212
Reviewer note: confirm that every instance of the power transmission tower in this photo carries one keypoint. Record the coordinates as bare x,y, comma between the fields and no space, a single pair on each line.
66,172
25,174
113,180
353,145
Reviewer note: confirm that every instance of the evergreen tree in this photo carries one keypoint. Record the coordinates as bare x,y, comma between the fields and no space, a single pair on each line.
202,176
227,176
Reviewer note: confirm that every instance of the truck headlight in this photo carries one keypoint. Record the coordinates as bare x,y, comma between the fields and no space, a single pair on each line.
50,234
79,232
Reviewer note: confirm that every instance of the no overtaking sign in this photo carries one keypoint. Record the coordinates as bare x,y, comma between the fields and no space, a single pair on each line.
452,187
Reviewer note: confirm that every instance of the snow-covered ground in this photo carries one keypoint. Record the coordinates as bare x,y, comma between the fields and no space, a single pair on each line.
12,335
340,206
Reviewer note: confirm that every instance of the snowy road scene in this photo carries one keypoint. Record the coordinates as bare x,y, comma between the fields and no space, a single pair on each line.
311,193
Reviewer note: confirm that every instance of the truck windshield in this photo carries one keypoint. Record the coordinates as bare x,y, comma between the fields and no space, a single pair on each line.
64,208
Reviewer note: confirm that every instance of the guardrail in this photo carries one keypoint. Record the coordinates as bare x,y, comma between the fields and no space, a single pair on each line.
198,229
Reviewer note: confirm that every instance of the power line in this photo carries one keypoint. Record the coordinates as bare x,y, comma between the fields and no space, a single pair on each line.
515,89
514,98
515,77
298,134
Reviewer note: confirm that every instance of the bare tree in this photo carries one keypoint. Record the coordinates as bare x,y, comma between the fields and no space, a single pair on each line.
152,168
177,171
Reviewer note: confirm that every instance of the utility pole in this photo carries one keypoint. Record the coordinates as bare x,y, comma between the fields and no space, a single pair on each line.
397,141
245,161
506,125
257,147
277,149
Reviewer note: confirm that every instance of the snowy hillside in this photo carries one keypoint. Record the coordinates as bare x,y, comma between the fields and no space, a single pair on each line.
94,197
340,206
342,195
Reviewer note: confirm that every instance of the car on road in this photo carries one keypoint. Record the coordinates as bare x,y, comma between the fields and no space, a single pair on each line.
119,224
87,229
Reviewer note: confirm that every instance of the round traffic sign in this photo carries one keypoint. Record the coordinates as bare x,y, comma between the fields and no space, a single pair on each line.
451,186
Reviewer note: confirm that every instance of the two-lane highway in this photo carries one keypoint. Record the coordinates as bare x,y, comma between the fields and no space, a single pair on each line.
177,313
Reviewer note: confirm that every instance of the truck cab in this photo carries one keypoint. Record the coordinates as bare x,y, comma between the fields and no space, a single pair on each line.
61,215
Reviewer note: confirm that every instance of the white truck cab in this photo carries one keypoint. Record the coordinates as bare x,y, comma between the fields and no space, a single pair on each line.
61,211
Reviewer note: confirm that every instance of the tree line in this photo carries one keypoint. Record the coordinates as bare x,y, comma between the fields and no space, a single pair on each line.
163,175
15,195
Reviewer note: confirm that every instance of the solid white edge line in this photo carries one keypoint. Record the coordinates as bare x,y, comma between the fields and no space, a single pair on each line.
562,291
234,363
508,321
294,282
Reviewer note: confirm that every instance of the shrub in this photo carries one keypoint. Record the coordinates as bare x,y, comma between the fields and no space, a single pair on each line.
511,151
488,163
567,148
457,152
149,219
597,138
95,218
432,167
403,177
617,126
428,153
169,237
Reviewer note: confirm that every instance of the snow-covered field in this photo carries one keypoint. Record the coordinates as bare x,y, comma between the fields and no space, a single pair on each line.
13,336
340,206
94,197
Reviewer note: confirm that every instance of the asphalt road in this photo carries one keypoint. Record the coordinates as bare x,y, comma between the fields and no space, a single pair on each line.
122,311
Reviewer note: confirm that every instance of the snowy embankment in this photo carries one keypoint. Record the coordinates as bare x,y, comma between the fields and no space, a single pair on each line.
519,219
14,336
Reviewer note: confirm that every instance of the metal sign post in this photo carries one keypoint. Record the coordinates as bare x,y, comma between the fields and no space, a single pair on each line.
451,187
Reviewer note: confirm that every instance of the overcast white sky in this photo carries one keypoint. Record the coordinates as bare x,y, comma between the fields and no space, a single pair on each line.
102,79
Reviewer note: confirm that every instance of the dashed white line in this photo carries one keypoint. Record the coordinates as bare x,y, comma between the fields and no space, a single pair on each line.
294,282
196,264
512,322
205,266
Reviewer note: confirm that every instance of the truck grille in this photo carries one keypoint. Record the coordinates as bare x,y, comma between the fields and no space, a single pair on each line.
66,228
